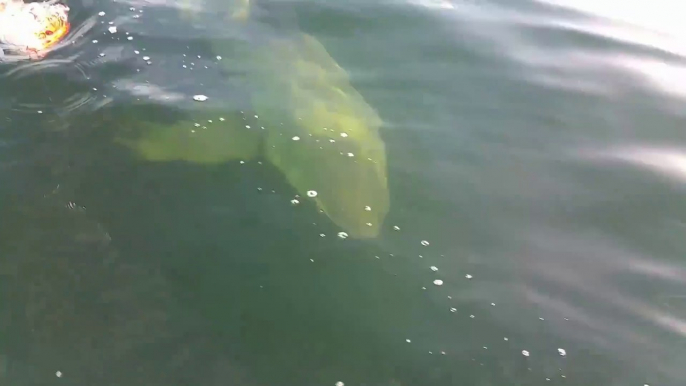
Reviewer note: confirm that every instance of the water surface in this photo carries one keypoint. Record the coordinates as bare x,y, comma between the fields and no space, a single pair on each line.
535,158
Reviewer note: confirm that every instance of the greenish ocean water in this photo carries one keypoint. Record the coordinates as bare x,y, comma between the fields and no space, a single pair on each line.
389,193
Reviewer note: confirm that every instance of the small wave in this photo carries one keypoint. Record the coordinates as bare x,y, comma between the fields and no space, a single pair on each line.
433,4
573,276
600,48
664,161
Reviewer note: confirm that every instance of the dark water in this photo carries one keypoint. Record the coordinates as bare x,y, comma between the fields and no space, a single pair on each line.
537,148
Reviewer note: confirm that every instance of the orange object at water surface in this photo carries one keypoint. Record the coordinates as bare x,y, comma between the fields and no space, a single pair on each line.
55,30
32,28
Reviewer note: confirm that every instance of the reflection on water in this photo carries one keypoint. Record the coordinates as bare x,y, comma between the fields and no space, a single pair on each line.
530,217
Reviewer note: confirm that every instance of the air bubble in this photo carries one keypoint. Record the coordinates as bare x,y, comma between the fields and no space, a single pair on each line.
311,193
342,235
425,243
438,282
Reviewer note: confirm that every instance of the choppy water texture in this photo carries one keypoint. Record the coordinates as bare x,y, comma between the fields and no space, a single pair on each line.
373,193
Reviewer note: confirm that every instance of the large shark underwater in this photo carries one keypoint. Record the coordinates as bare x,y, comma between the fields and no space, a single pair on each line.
309,121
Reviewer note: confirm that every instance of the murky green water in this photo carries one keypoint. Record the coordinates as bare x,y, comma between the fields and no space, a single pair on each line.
510,180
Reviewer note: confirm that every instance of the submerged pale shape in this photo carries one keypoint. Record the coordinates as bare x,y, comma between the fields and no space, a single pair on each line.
195,141
236,10
208,138
297,90
241,11
304,91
